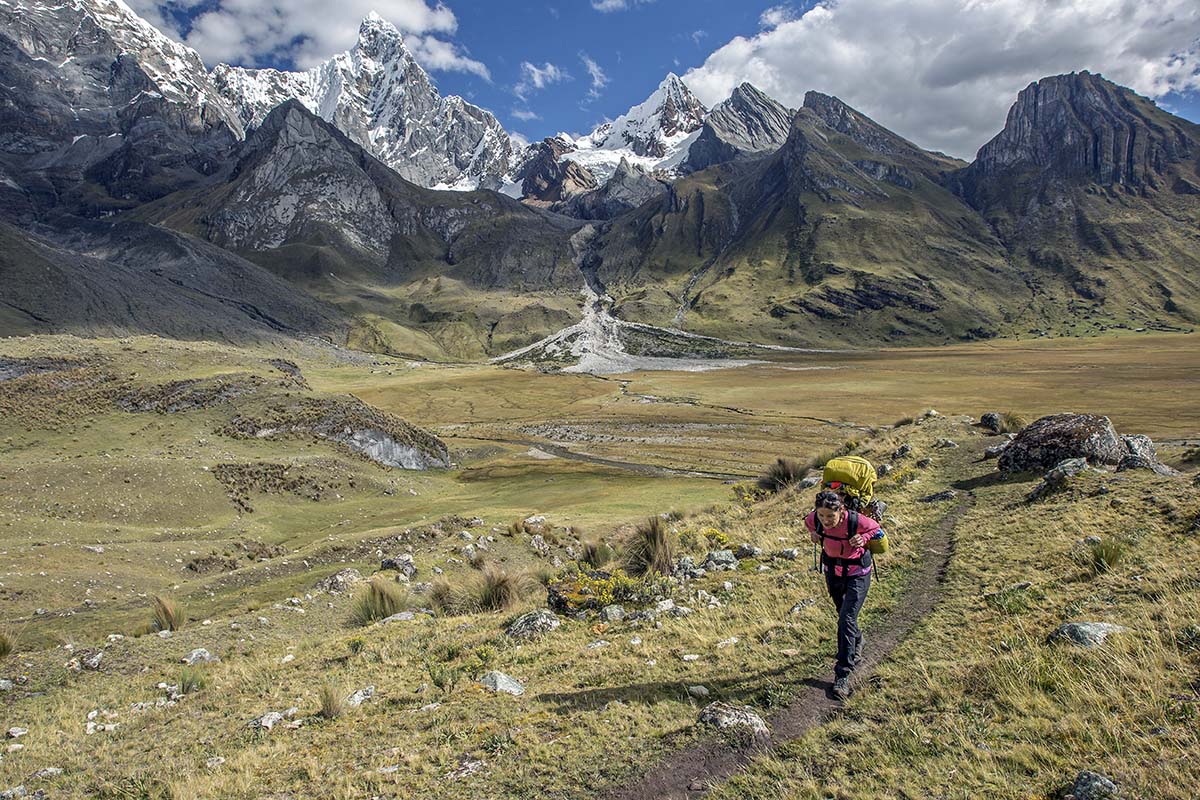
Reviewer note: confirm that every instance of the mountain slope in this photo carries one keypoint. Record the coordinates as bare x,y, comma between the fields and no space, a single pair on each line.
114,279
1095,187
379,96
749,123
99,111
844,234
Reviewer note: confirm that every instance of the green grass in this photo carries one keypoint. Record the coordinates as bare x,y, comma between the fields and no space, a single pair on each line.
380,599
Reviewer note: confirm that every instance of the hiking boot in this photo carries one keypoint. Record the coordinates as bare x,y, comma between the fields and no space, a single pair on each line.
841,687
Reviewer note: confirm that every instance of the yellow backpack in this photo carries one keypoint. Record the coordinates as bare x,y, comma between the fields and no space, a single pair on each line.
853,477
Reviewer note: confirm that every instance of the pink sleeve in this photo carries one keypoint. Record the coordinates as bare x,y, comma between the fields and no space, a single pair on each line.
810,522
867,526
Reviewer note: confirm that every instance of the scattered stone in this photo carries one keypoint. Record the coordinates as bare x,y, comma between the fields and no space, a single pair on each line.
809,481
990,421
93,548
790,554
737,719
466,767
883,469
537,543
6,685
995,450
720,560
165,634
947,444
360,696
746,550
690,657
1059,437
289,658
468,552
537,520
799,607
1086,634
466,536
16,733
730,642
402,563
698,692
938,497
399,616
341,581
46,772
214,762
533,624
200,656
499,682
272,718
612,613
901,451
1094,786
923,463
685,567
1058,478
663,606
597,644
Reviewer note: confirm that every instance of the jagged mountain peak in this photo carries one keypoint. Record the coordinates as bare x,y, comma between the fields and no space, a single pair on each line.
748,123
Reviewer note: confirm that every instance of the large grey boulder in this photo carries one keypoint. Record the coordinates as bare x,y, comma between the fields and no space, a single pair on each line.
739,720
1059,478
533,624
1086,634
1058,437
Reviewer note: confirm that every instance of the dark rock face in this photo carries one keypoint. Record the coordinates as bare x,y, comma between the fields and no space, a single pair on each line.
629,187
546,176
748,123
990,421
100,112
1056,438
1078,128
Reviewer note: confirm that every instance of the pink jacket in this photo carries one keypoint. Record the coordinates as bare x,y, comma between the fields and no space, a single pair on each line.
836,539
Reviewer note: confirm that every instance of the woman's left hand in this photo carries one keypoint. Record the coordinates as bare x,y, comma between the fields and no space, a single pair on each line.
857,541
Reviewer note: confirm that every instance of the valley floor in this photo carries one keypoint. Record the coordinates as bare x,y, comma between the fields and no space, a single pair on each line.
103,508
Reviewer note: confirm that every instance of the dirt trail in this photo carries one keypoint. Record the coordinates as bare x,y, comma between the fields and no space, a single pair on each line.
690,773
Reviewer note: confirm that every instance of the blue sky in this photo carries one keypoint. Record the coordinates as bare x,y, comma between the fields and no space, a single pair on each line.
941,72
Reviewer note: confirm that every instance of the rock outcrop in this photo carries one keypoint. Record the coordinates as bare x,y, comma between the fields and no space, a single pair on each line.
1056,438
749,123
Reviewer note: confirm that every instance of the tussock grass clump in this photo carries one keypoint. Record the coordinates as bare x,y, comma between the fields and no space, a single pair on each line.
332,699
479,559
493,589
192,679
650,549
783,473
903,421
7,644
1012,423
515,528
166,615
596,554
379,600
1104,555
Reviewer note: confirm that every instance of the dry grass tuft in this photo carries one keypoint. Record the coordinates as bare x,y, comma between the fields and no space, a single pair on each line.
332,698
7,644
651,549
783,473
596,554
166,615
1012,423
492,589
379,600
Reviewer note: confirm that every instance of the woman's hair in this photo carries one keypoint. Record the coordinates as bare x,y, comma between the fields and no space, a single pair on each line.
829,499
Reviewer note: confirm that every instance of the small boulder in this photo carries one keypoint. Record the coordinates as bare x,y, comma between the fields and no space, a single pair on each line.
698,692
1085,634
947,444
718,560
399,616
402,563
537,543
739,720
809,481
1142,455
499,682
901,451
938,497
1094,786
883,469
1058,437
746,550
533,624
360,696
339,582
995,450
790,554
612,613
990,421
1058,478
200,656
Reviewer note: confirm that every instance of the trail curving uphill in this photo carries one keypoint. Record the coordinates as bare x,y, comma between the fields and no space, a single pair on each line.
690,773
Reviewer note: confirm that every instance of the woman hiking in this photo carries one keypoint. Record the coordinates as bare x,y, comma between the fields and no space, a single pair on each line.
843,535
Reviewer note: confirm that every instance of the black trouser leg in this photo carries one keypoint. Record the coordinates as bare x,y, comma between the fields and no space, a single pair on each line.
848,594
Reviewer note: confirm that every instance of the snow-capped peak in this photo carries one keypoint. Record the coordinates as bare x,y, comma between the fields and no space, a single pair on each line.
378,95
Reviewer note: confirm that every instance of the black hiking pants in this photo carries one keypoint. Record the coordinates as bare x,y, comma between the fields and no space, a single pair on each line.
848,593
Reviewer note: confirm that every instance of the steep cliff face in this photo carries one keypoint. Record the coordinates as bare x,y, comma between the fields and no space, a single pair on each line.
748,124
626,189
99,111
1093,186
546,176
379,96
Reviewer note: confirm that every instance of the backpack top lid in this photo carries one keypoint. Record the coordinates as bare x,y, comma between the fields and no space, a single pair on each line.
854,476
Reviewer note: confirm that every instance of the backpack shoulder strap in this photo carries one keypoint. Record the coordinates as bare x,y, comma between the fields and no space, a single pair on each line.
852,524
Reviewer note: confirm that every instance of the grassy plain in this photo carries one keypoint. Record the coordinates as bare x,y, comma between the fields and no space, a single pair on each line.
78,473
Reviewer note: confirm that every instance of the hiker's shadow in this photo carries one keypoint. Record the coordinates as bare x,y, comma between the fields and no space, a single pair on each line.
740,687
994,479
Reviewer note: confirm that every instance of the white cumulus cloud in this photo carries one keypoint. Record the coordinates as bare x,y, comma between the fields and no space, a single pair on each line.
617,5
307,32
944,72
